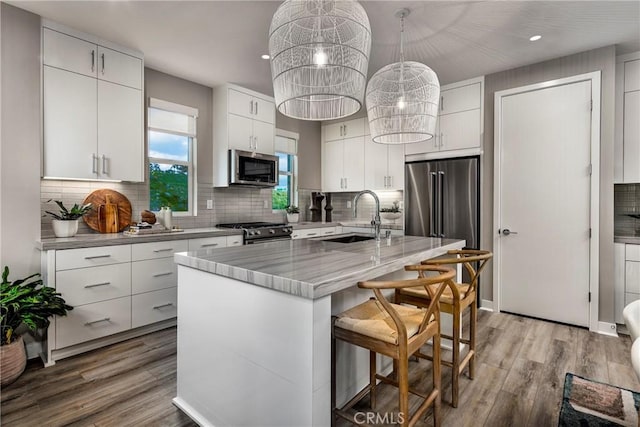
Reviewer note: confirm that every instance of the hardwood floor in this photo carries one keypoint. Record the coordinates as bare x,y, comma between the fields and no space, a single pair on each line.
519,379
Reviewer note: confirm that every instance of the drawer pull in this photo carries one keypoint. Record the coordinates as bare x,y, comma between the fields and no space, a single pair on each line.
95,285
163,250
158,307
97,256
208,245
329,232
311,234
163,274
106,319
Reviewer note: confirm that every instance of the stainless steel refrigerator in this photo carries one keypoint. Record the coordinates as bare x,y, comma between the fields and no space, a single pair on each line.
442,199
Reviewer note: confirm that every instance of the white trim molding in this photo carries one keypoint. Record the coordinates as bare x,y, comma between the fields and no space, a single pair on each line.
606,328
486,305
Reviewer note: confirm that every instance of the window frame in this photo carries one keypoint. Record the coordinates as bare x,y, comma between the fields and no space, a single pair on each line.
293,197
192,183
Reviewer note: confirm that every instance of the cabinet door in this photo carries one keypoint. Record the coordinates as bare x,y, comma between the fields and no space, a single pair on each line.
333,132
460,130
618,280
396,167
375,165
632,75
69,53
425,147
332,177
354,163
120,68
120,132
264,110
263,137
353,128
70,125
632,277
240,132
631,137
460,99
207,243
240,103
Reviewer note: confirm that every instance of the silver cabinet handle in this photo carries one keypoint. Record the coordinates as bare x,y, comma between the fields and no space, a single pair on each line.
95,285
506,232
346,183
256,108
441,102
103,63
157,307
255,142
106,319
340,130
162,250
251,107
390,181
441,139
329,232
312,234
93,59
104,165
97,256
94,163
168,273
345,130
250,142
208,245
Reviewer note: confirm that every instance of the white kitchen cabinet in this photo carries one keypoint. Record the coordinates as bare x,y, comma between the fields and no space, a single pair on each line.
153,274
237,240
626,277
430,146
383,166
94,284
92,257
346,129
632,75
153,307
307,233
244,120
92,108
158,250
333,166
343,165
631,136
462,98
459,130
627,127
618,279
207,243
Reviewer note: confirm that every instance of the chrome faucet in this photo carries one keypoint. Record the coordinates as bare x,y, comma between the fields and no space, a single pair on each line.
376,220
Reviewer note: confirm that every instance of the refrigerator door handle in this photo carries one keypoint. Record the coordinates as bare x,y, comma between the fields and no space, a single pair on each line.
434,208
441,202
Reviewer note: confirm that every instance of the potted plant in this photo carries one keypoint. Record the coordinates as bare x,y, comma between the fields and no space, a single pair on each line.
25,301
293,214
65,223
391,213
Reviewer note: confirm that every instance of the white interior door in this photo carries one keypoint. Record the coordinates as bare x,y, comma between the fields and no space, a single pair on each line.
544,195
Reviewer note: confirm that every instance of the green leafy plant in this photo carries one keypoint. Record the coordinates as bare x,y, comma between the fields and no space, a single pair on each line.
391,209
77,211
293,209
27,301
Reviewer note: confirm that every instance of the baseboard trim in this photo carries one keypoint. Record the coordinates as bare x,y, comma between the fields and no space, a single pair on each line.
486,304
606,328
191,413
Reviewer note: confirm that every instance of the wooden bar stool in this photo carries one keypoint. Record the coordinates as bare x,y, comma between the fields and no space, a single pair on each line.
395,331
454,300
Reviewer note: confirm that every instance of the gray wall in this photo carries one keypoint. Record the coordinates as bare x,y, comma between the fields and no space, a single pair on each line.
309,150
20,141
602,59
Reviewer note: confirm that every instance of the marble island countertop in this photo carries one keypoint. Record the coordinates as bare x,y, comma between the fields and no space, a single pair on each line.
111,239
313,269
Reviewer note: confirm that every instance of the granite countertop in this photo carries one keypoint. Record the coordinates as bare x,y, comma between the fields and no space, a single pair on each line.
634,240
112,239
313,269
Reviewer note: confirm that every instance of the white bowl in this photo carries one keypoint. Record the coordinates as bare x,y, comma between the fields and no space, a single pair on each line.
390,215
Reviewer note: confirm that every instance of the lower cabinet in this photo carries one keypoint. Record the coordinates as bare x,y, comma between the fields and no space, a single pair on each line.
306,233
626,277
155,306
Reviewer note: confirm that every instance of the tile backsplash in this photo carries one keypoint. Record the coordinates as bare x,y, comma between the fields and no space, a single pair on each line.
366,205
626,201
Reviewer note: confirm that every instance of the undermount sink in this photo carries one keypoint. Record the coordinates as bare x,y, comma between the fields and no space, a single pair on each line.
349,239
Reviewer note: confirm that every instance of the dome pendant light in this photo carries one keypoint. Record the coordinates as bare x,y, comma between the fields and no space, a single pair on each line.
319,58
402,99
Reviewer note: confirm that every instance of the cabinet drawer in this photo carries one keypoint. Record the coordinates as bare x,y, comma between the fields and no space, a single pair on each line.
207,243
88,285
120,68
91,321
92,257
155,250
632,277
69,53
313,232
235,240
632,252
460,99
154,307
153,274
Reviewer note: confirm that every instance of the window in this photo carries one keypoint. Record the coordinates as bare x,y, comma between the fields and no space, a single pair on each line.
286,192
171,136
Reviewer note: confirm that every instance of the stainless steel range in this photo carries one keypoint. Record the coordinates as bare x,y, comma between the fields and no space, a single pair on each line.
261,232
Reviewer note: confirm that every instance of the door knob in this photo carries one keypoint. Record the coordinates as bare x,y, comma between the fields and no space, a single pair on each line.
506,232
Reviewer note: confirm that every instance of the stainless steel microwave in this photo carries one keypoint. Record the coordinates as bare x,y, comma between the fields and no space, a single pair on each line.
249,168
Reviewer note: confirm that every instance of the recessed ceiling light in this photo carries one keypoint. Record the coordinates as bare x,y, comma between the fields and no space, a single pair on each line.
265,57
535,38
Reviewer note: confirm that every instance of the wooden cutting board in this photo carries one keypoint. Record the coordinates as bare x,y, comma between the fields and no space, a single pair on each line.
111,211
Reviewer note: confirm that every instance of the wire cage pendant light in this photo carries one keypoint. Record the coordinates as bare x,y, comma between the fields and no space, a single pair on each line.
319,58
402,99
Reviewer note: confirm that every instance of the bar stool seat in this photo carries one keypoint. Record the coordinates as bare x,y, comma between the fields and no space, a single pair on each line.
395,331
447,296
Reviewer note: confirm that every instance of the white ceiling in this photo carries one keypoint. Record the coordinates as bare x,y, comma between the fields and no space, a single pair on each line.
212,42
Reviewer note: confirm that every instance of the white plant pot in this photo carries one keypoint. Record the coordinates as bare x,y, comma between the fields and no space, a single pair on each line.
293,218
390,216
64,228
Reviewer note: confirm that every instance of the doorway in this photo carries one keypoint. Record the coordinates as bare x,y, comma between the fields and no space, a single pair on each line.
547,200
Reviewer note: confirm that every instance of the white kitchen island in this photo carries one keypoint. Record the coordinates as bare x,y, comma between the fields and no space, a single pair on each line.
254,326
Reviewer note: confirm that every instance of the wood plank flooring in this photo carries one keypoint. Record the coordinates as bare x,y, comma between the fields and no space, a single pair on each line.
519,379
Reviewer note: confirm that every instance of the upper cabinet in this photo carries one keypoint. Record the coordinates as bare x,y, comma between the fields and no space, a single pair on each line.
627,133
93,119
383,165
343,156
243,120
459,126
